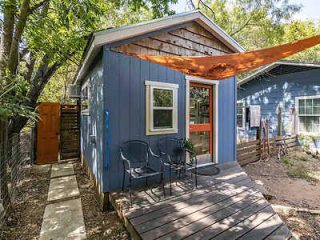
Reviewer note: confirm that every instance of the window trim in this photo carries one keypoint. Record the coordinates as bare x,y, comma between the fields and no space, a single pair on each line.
243,115
150,86
304,115
86,84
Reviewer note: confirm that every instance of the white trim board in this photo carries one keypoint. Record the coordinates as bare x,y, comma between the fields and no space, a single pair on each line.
215,94
298,115
150,86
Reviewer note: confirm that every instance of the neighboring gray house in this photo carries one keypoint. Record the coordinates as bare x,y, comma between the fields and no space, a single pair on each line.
292,86
119,94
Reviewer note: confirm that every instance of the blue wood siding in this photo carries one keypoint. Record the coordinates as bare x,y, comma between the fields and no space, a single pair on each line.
271,92
226,120
118,87
125,100
93,124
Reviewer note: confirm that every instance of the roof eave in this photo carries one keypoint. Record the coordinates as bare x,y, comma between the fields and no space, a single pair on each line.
272,66
114,35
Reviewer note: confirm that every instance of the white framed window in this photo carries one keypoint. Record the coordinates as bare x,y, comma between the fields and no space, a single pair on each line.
161,108
308,113
85,96
241,114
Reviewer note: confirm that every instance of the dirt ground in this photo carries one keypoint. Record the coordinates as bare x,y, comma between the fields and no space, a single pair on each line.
99,225
25,223
294,184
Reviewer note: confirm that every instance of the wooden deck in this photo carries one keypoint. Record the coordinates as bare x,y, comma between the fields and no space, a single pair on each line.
225,206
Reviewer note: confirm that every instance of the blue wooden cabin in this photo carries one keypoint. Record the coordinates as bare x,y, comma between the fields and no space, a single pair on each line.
125,98
292,87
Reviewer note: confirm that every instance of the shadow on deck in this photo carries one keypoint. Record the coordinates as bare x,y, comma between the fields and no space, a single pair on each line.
224,206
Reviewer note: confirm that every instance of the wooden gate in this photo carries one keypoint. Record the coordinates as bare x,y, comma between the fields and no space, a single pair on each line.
70,131
48,133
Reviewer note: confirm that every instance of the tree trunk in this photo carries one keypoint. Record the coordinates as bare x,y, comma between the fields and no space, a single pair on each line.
40,79
9,9
19,29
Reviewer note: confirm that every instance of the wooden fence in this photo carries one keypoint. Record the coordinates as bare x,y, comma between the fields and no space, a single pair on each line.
249,152
70,131
14,162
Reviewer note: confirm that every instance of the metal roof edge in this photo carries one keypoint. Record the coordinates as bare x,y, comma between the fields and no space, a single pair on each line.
273,65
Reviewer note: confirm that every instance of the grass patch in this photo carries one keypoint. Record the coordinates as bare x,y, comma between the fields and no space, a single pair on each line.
302,158
287,160
300,171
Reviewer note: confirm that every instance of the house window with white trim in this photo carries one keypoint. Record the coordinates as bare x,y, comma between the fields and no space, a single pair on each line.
309,114
161,112
241,117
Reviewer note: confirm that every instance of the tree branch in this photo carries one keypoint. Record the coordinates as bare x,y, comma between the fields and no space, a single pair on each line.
38,82
37,6
207,6
30,67
246,23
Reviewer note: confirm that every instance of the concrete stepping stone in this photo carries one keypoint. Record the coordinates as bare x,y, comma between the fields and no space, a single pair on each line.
63,220
62,188
61,170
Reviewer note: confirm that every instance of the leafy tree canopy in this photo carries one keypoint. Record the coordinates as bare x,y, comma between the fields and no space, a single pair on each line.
259,24
253,23
39,37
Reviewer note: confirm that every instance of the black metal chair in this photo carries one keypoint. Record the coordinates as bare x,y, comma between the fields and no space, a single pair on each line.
135,156
174,156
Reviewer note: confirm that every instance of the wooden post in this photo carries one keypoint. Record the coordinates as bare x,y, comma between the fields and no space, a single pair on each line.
259,138
293,122
279,122
267,137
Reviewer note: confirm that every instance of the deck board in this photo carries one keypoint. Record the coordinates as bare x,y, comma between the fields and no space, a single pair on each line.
215,228
237,181
245,223
193,213
189,204
281,233
264,229
225,206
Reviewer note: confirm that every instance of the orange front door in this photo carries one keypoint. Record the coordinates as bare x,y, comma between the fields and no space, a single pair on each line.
48,130
201,120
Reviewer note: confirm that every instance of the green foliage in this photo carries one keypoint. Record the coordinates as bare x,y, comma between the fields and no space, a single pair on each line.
54,36
286,160
257,24
11,95
56,88
253,23
187,144
301,165
300,171
296,30
67,24
317,138
305,141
